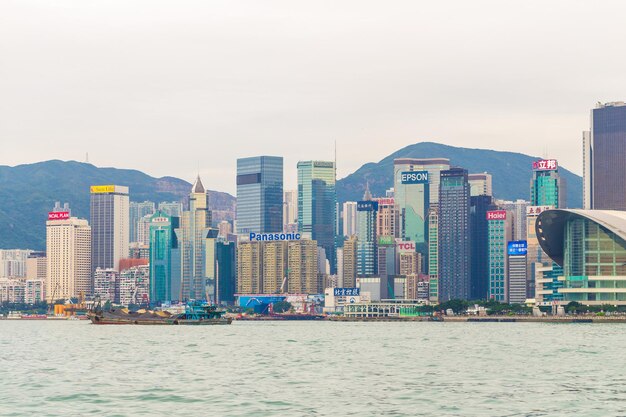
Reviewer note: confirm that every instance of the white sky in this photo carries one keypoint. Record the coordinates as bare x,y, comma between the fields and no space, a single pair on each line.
163,85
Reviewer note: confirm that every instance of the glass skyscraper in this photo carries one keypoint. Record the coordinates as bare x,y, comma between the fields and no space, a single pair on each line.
260,194
547,188
480,205
164,259
317,204
604,155
367,252
454,235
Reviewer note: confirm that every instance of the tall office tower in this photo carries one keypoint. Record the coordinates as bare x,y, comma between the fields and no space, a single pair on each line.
210,260
226,272
547,188
165,268
499,231
433,253
387,259
249,267
480,184
387,219
518,211
109,219
275,267
349,218
68,247
259,194
604,154
366,236
317,202
136,212
480,205
193,227
302,268
454,235
416,186
349,262
172,209
290,208
517,272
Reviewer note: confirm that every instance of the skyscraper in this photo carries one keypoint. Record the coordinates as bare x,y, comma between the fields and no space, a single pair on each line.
68,247
604,155
226,272
349,218
387,219
416,186
349,262
109,219
137,212
366,236
433,253
499,231
547,188
317,202
290,209
454,235
480,205
302,268
249,267
260,194
191,237
165,268
480,184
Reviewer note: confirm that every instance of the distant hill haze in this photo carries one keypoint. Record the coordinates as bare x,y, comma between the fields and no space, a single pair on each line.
28,193
511,172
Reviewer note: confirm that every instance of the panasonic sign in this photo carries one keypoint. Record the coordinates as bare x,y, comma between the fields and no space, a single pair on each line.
263,237
414,177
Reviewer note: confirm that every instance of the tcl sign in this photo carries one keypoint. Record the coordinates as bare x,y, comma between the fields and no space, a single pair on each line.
496,215
545,165
406,247
58,215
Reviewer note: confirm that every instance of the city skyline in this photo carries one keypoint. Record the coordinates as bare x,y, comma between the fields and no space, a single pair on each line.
296,95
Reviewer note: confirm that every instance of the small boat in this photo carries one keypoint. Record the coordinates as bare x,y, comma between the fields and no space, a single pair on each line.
196,313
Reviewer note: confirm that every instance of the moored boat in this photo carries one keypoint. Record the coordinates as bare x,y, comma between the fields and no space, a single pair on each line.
196,313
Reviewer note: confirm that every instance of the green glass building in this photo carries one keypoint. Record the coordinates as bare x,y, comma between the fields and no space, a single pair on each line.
590,246
317,205
165,267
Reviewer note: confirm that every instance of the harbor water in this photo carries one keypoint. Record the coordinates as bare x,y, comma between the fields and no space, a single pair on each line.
73,368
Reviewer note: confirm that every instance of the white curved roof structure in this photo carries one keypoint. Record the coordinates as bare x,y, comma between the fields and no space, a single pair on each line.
550,227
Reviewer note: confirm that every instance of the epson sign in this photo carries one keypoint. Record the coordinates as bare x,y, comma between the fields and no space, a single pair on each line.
414,177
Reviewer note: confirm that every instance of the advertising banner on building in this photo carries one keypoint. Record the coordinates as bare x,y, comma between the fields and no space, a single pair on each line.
346,292
406,246
385,201
545,165
366,206
101,189
537,210
414,177
496,215
58,215
386,240
517,248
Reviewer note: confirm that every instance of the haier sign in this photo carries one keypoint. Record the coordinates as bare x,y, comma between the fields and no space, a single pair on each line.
496,215
414,177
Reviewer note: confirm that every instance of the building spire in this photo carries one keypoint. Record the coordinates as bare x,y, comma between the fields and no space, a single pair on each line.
197,187
367,196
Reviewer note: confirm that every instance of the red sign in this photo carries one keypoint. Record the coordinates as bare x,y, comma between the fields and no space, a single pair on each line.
496,215
537,210
545,165
58,215
406,246
385,201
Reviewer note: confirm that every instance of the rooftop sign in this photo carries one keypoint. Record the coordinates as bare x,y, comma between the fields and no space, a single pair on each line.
414,177
58,215
101,189
496,215
545,165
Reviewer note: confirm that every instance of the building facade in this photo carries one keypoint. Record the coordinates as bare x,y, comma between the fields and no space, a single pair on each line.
165,267
109,219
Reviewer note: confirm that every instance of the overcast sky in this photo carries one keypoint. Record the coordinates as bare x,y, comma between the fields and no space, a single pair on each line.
162,86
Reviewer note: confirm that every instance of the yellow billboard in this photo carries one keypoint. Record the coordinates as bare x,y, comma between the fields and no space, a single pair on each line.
100,189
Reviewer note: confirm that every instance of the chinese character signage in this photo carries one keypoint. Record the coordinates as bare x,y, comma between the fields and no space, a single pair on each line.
545,165
366,206
347,292
517,248
537,210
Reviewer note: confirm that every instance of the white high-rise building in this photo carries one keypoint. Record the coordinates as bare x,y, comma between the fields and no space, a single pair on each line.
68,245
349,218
109,225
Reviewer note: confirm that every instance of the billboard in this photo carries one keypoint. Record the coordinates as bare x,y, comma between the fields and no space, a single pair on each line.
58,215
537,210
545,165
496,215
385,201
517,248
386,240
101,189
346,292
414,177
366,206
272,237
406,246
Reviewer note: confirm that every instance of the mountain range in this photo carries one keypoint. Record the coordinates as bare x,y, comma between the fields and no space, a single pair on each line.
28,192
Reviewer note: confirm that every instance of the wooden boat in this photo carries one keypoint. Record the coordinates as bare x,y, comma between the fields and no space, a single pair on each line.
196,313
